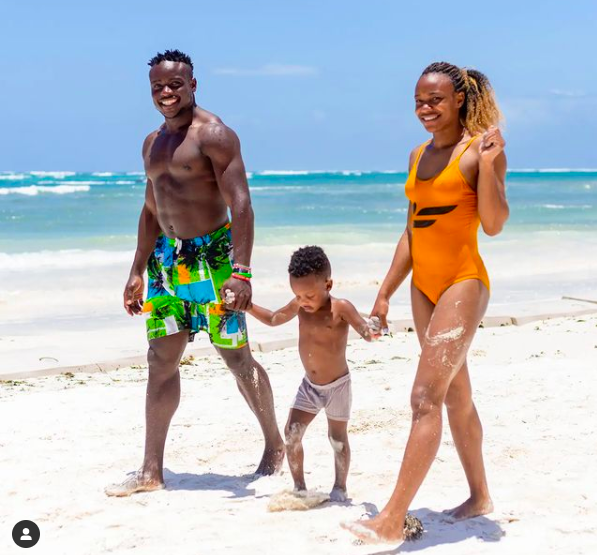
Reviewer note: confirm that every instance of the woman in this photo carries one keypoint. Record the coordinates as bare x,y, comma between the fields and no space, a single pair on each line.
456,181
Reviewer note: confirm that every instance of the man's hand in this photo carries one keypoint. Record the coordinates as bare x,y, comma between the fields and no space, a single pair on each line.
133,294
380,310
239,292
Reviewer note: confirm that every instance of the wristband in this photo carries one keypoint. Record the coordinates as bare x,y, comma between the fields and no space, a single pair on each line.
241,277
242,268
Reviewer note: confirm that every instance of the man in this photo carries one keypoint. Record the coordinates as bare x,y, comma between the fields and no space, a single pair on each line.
195,173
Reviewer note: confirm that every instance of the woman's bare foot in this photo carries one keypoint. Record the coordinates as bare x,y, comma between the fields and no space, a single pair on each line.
338,495
271,462
379,529
134,484
471,508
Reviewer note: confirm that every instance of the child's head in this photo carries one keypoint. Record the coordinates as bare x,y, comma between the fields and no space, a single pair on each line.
310,277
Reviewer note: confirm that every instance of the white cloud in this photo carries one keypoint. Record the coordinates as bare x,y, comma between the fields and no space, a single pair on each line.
270,70
568,93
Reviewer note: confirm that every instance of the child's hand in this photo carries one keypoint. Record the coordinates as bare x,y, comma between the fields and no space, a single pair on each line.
230,297
374,326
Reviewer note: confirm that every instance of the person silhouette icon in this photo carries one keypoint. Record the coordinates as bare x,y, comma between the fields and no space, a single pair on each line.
26,534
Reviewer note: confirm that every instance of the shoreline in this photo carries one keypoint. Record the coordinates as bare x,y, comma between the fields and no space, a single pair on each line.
517,315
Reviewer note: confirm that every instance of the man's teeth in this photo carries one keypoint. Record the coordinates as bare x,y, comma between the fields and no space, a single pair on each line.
168,101
429,118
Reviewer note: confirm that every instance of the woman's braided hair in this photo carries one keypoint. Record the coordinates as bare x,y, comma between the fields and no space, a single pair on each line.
479,110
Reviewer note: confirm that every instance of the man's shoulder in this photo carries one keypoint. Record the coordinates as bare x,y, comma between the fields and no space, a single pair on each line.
212,133
150,138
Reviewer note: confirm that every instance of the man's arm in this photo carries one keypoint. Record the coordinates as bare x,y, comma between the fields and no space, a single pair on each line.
148,232
277,317
221,145
350,314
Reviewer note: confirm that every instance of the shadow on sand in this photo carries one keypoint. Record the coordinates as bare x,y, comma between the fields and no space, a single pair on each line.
236,485
441,529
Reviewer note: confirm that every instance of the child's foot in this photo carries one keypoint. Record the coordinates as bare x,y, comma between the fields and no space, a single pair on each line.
136,483
271,462
471,508
338,495
379,529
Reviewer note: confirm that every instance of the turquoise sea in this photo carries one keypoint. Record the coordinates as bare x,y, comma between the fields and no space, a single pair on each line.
53,211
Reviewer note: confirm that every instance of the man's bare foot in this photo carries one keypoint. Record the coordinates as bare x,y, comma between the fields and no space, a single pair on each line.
271,462
379,529
471,508
338,495
134,484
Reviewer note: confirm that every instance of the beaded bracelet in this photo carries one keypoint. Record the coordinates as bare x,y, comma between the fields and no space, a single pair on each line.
242,268
242,277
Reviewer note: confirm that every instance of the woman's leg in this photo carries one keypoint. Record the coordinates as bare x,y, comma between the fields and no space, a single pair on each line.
464,422
468,438
446,341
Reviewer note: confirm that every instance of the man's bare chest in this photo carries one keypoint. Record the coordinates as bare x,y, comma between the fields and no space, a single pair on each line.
177,157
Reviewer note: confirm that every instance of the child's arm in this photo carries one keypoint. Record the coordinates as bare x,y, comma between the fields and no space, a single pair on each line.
351,315
275,318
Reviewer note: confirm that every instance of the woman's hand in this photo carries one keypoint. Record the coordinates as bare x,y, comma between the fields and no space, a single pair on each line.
492,143
381,309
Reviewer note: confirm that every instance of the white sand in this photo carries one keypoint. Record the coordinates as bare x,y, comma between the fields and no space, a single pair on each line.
63,439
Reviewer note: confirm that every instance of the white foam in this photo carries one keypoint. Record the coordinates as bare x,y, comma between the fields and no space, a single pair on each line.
553,170
286,172
102,174
55,175
12,176
33,190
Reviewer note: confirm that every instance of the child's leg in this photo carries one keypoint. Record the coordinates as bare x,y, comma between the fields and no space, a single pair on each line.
338,436
296,426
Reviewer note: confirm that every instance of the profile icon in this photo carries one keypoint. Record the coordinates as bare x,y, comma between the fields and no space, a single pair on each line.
26,533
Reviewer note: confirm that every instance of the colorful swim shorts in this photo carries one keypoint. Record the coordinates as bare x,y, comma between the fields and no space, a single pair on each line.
185,278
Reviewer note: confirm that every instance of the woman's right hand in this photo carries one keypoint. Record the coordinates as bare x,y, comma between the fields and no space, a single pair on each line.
381,309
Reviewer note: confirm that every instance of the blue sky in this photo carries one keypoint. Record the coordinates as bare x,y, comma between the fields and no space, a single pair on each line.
306,84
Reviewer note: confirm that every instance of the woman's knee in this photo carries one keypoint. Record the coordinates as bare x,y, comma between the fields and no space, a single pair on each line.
425,400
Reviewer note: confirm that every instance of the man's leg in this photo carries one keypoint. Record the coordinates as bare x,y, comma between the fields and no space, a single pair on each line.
253,383
163,396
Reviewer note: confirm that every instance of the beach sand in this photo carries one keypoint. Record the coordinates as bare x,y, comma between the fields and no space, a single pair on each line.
66,437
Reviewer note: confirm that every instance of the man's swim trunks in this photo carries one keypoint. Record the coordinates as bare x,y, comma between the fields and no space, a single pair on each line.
185,278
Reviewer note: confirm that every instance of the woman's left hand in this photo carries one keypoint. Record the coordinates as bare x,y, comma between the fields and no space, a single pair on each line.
492,143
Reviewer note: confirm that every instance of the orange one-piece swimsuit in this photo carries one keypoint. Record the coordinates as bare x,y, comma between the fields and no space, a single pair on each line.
444,224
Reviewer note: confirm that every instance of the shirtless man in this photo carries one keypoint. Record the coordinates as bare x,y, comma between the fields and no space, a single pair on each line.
195,173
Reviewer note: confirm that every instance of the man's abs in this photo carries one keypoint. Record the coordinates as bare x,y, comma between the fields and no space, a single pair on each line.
187,210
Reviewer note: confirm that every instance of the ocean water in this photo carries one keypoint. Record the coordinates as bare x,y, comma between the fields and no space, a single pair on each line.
57,211
67,240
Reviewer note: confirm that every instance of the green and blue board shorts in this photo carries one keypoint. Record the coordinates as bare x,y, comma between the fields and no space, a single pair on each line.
185,278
